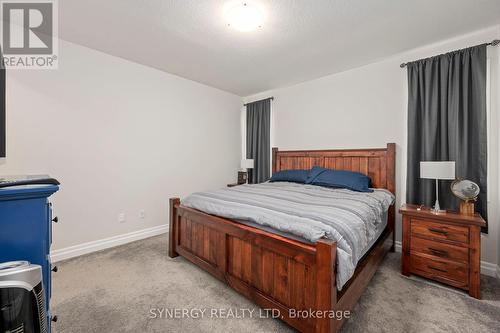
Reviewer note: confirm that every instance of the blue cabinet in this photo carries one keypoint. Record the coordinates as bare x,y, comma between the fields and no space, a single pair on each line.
26,229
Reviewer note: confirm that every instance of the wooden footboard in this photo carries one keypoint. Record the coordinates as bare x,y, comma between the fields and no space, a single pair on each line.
273,271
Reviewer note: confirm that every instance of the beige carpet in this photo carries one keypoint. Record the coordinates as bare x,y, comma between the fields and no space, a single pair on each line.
115,291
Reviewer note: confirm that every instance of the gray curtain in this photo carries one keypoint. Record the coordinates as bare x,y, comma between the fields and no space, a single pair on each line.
259,139
447,122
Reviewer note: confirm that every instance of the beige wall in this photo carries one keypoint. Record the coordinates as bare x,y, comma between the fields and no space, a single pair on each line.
121,138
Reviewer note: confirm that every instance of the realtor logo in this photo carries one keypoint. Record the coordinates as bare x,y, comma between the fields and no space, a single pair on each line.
29,34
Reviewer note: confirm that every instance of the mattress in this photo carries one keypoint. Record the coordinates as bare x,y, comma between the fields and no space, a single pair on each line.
379,230
354,220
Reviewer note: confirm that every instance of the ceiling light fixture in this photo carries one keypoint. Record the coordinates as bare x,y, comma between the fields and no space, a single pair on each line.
244,17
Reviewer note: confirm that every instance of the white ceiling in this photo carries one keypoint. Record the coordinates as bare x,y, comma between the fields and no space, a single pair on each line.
300,39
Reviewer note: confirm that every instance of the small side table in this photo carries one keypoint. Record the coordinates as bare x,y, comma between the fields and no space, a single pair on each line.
444,247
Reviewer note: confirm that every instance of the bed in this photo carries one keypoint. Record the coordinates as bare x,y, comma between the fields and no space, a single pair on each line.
276,270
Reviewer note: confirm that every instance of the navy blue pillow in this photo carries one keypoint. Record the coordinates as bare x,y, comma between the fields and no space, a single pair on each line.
354,181
294,176
313,173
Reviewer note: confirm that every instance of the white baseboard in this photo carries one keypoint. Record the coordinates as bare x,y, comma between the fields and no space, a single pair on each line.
85,248
487,268
398,246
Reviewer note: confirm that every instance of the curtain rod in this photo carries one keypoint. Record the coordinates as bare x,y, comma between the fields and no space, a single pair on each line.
495,42
271,98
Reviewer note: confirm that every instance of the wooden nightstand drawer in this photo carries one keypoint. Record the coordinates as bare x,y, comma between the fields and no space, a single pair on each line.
445,247
445,271
439,250
439,231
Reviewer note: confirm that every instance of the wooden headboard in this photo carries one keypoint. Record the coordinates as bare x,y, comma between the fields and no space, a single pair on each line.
379,164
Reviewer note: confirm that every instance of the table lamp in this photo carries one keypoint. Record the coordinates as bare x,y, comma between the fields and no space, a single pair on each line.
437,170
243,175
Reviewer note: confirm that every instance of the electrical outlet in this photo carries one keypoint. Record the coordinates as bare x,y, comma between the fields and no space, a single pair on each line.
121,217
142,214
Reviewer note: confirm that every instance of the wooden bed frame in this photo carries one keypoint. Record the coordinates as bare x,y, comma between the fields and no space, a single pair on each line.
277,272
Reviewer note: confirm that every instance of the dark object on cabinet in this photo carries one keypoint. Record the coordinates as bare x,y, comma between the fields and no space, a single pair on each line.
11,181
242,177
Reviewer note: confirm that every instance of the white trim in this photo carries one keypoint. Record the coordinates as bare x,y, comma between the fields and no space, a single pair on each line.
488,130
271,137
398,246
106,243
243,124
487,268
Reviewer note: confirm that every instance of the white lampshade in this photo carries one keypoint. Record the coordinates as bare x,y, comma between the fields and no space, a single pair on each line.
247,164
437,170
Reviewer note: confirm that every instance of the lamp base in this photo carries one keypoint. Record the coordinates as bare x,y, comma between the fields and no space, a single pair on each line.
437,209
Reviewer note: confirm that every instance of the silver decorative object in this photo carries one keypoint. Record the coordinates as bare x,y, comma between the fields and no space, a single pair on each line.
465,189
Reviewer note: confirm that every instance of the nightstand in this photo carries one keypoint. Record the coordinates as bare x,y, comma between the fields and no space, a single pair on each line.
445,247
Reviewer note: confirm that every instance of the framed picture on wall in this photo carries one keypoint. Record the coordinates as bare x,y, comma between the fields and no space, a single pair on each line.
2,107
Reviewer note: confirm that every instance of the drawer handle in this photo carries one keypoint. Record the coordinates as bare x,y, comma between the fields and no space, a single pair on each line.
439,252
437,269
438,231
